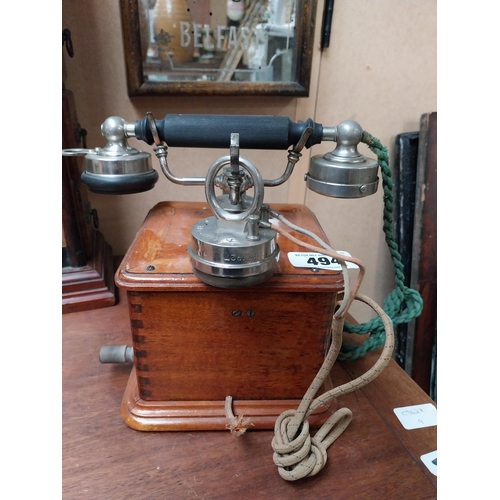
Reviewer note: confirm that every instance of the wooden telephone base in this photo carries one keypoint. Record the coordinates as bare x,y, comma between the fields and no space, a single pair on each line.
195,344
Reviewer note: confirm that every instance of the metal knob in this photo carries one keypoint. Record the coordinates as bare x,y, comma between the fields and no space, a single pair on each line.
116,354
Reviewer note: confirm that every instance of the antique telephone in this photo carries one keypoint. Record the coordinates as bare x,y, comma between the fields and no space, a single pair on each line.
237,308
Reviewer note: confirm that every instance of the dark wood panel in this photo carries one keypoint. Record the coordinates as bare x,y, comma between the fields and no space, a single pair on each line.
424,268
405,177
415,215
87,259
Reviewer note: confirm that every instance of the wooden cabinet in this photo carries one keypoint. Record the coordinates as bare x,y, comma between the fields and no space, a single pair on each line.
87,260
196,344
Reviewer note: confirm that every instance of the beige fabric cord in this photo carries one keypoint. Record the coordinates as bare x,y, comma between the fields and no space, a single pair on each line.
296,453
237,425
301,456
327,250
298,456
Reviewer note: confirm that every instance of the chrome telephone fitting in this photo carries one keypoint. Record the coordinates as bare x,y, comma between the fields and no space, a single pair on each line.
344,172
120,169
230,249
236,247
117,168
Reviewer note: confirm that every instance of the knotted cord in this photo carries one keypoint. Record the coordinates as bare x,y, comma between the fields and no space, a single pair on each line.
295,453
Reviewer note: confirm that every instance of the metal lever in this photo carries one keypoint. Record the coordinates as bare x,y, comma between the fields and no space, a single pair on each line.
116,354
235,175
293,157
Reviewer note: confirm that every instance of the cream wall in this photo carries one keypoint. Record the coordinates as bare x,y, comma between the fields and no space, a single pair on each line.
380,70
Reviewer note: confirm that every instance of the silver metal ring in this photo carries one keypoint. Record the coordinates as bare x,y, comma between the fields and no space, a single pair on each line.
76,151
152,126
258,185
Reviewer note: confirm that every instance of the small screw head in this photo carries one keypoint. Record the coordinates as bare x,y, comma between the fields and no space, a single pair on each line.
150,268
236,313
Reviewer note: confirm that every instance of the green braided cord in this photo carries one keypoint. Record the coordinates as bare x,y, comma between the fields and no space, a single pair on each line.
403,304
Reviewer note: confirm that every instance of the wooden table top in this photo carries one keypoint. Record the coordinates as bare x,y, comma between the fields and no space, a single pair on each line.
375,458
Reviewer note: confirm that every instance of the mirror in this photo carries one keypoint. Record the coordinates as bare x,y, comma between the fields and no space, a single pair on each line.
218,47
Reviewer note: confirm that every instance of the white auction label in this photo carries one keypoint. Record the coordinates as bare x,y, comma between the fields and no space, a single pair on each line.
417,416
318,260
431,461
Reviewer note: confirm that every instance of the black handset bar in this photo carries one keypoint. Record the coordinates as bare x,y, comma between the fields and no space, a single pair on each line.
214,131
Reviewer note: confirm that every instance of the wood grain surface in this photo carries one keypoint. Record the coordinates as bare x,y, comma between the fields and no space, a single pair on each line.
103,458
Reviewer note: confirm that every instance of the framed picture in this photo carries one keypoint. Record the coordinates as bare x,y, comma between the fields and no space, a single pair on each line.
218,47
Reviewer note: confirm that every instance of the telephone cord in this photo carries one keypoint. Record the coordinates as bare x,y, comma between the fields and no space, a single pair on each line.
342,259
402,304
296,454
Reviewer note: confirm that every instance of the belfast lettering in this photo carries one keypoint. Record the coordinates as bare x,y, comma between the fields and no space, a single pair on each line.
199,36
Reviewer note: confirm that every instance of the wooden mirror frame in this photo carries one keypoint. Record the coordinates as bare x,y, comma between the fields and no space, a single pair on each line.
138,86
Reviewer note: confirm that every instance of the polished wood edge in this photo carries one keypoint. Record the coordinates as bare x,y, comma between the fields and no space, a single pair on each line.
92,286
138,281
190,283
205,415
94,299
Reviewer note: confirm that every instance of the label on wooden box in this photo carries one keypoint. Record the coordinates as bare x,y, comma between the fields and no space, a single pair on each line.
318,260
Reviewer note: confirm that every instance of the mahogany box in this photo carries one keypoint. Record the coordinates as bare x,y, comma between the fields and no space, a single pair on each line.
195,344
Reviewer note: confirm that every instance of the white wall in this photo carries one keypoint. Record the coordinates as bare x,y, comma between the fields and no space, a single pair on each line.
380,70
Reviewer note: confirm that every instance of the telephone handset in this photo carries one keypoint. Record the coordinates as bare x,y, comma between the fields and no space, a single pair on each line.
233,264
